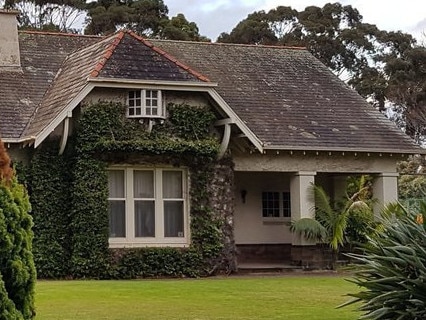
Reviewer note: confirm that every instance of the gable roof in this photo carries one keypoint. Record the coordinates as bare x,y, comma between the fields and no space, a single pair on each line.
122,55
290,100
283,98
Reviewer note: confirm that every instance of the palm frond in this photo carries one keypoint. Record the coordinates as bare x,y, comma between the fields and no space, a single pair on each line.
339,226
310,229
323,208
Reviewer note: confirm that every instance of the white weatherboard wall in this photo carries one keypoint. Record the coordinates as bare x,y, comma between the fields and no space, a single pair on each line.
250,226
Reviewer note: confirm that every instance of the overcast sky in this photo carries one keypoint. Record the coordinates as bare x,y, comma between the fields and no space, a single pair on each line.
215,16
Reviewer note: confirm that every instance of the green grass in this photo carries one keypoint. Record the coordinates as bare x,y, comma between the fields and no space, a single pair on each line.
282,297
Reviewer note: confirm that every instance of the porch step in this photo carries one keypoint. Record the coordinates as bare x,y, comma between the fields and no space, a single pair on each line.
266,267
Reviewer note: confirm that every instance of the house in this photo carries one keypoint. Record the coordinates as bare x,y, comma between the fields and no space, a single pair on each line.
282,121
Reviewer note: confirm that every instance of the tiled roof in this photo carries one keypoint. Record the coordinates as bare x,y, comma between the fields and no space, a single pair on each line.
21,92
285,96
289,99
55,72
69,81
136,58
122,55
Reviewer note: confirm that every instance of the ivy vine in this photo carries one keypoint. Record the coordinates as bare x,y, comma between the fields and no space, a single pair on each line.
104,136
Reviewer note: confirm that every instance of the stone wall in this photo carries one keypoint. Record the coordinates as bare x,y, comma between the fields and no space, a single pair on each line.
222,201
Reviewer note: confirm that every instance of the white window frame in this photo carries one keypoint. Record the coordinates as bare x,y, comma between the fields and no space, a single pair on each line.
159,240
143,106
281,216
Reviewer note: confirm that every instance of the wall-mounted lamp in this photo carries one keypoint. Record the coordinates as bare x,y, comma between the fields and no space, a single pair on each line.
243,195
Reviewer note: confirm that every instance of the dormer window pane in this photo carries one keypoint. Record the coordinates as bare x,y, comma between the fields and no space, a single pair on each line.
144,103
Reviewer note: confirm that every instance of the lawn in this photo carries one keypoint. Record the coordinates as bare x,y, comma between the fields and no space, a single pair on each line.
289,297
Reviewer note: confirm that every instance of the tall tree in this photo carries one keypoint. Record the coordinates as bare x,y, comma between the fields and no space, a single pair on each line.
179,28
143,16
146,17
335,34
406,88
57,15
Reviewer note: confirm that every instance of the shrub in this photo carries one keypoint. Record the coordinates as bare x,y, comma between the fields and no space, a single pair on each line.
156,262
17,271
393,270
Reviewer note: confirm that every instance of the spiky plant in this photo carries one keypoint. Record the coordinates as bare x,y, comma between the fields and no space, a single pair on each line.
310,229
393,270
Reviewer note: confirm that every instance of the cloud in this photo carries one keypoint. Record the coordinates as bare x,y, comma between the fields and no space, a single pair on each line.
213,17
420,26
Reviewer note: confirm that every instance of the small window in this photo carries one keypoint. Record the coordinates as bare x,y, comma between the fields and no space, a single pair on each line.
276,204
145,104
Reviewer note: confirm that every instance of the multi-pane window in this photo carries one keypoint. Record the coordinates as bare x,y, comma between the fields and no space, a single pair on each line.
147,206
276,204
144,103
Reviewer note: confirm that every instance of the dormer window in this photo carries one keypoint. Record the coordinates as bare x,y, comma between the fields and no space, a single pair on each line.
145,104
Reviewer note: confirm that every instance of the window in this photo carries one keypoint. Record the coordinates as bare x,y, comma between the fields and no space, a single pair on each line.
145,104
276,204
147,206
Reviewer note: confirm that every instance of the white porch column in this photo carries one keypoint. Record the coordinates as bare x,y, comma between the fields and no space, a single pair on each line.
385,189
302,200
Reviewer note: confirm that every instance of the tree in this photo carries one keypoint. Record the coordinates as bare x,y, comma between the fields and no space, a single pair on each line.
142,16
17,271
406,73
253,30
334,34
145,17
55,15
178,28
412,181
388,68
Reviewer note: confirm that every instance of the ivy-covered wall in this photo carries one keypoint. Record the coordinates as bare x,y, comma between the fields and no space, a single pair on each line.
50,185
69,195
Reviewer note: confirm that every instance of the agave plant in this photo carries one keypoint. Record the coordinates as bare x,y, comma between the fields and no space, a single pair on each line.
393,270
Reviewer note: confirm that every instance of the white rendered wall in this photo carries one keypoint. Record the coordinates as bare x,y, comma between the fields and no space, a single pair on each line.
250,226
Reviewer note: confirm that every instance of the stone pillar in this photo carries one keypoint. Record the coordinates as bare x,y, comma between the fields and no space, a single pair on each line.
302,200
385,189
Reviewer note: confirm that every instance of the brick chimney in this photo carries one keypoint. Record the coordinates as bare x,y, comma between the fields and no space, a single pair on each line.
9,45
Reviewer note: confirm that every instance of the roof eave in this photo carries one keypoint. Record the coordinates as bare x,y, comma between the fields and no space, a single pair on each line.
359,150
26,140
124,83
208,87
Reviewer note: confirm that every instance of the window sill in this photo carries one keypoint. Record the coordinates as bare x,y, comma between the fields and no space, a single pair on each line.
115,244
275,221
146,117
